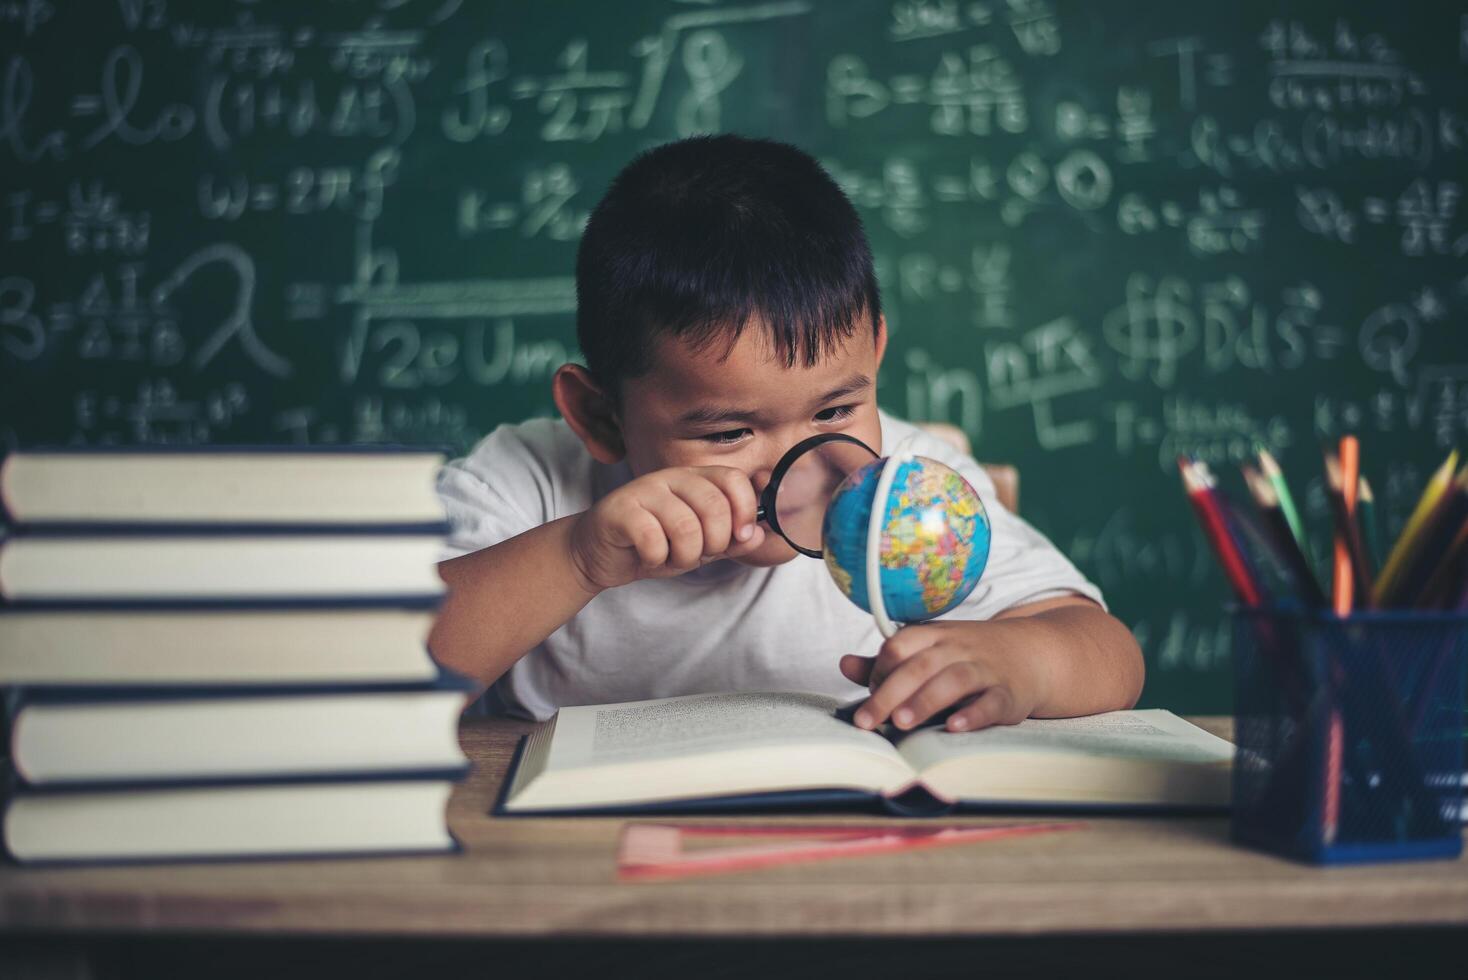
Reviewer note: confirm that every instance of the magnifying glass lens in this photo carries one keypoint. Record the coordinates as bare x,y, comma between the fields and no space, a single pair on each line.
806,487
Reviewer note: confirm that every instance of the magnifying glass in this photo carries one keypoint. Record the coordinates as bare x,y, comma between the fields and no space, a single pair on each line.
802,483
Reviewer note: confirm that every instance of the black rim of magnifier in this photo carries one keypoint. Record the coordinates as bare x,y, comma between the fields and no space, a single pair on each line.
767,498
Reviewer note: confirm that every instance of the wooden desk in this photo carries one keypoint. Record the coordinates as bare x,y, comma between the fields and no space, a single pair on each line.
524,878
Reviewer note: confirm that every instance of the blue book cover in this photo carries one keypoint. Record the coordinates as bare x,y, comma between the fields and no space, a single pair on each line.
23,695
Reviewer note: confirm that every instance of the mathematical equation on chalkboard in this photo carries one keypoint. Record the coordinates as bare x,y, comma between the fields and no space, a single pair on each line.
1104,236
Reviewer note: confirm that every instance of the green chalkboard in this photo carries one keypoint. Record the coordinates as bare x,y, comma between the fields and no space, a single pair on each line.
1106,233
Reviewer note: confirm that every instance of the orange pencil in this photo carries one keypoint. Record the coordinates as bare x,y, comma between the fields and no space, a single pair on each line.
1348,530
1343,586
1349,476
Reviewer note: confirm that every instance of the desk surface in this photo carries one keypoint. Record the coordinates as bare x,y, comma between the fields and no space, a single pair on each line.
557,876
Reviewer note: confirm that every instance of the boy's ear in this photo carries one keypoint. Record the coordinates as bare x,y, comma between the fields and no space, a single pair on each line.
881,337
589,412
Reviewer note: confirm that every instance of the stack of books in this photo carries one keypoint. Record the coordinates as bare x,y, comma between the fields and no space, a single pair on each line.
222,653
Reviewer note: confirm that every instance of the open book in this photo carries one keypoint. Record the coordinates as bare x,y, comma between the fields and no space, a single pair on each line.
732,751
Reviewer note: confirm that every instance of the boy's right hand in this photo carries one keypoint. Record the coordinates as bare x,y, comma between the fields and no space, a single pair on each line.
666,523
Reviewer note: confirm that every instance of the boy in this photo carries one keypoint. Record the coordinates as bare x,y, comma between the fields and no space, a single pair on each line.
727,309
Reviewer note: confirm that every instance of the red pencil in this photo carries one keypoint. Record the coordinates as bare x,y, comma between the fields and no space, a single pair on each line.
1210,516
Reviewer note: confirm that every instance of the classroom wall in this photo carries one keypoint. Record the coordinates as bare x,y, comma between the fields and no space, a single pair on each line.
1106,233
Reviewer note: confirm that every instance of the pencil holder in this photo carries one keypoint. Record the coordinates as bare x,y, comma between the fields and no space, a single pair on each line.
1349,734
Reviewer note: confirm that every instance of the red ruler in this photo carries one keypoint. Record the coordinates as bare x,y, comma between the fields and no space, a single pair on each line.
661,850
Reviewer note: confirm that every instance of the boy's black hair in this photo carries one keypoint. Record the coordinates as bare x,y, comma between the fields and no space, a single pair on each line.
695,237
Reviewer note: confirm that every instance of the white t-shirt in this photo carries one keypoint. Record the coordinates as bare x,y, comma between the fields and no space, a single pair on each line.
722,627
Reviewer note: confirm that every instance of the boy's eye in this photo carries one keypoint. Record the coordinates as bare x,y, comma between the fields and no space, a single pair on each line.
725,438
835,414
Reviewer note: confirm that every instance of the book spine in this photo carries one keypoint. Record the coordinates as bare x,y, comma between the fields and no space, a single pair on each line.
233,449
7,517
84,694
79,529
408,603
208,603
22,787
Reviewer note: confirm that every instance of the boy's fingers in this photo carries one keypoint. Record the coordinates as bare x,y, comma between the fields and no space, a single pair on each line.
900,685
682,528
947,687
856,668
994,707
740,548
737,488
898,649
645,533
707,500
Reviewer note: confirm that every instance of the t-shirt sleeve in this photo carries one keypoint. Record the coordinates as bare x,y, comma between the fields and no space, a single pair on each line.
502,488
1024,566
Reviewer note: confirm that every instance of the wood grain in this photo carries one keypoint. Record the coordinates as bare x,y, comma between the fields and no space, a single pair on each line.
556,877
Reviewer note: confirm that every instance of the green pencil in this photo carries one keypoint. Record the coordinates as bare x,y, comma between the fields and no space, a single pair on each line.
1272,472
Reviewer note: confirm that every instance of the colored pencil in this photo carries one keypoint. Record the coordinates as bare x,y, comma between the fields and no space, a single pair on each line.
1215,529
1438,534
1207,504
1270,468
1350,559
1343,596
1335,748
1407,541
1240,533
1443,585
1262,558
1266,499
1370,525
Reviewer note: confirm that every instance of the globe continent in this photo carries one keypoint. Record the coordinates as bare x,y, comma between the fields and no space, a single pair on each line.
935,538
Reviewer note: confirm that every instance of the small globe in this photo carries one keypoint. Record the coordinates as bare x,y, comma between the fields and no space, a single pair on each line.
935,538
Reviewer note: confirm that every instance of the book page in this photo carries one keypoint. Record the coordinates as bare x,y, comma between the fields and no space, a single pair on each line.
696,746
1149,735
596,735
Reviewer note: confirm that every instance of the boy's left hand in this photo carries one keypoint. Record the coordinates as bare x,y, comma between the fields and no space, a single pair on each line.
928,667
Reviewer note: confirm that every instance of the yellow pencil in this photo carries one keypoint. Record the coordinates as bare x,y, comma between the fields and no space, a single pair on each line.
1441,587
1407,540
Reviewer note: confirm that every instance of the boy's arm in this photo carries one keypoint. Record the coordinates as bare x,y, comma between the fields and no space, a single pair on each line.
505,599
1091,659
1056,657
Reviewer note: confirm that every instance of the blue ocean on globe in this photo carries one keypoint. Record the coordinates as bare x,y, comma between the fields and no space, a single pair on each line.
935,538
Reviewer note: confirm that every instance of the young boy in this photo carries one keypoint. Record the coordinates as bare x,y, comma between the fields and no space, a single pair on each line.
727,309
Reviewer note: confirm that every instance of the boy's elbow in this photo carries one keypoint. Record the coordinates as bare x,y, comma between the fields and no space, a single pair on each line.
456,645
1119,659
1135,681
446,653
1133,666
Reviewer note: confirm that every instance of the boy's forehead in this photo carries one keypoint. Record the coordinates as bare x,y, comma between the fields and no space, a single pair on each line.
748,373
